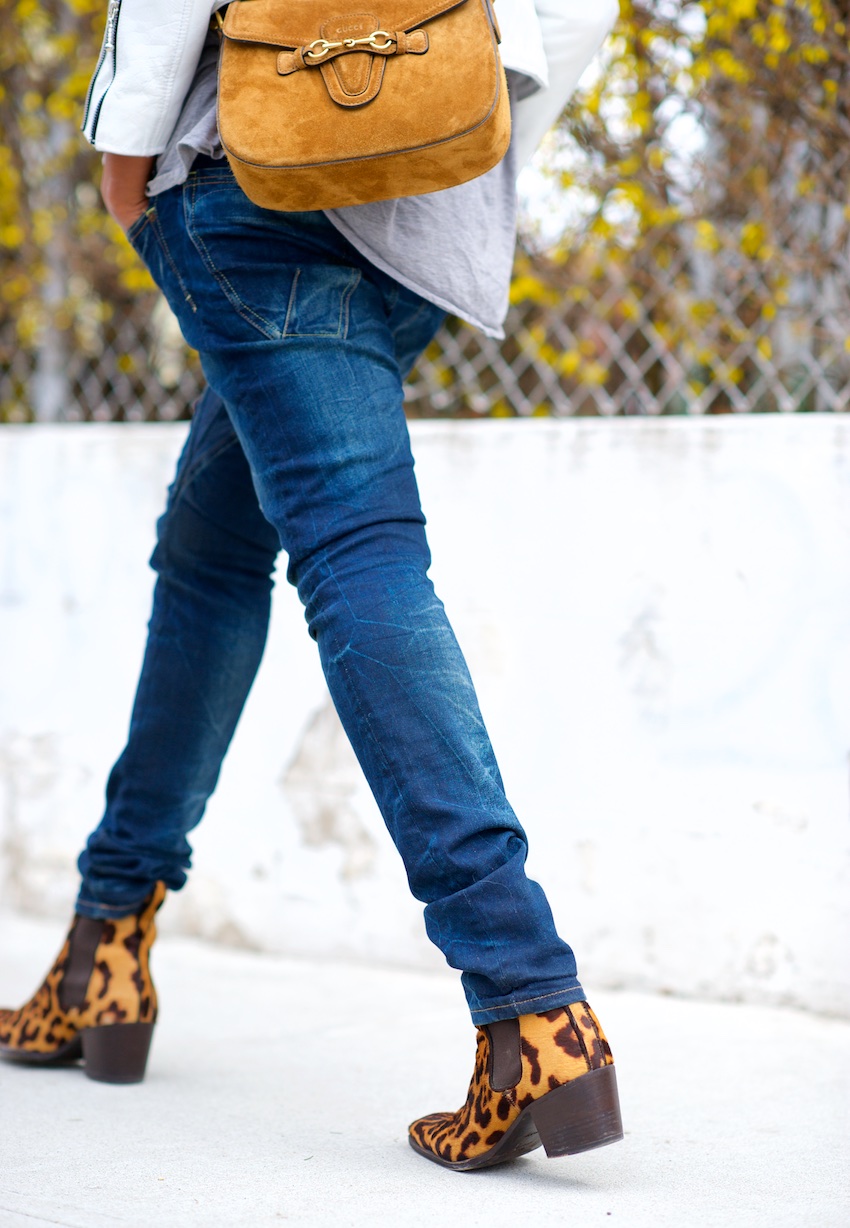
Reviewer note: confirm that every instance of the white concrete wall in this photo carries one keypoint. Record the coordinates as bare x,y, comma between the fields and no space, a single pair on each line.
657,615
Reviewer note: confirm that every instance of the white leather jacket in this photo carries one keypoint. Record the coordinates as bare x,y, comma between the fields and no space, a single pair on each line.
151,49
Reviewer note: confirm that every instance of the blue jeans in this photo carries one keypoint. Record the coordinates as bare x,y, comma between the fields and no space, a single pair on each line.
303,444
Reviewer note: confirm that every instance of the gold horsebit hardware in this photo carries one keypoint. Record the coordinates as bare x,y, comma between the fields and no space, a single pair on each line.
318,49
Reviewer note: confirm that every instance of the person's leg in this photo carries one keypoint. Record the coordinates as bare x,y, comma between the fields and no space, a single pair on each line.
301,339
214,558
215,555
297,334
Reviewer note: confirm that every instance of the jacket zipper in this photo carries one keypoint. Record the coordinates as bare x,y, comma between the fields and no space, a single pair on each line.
109,40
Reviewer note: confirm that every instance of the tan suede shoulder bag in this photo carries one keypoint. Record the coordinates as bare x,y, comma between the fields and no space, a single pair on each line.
320,106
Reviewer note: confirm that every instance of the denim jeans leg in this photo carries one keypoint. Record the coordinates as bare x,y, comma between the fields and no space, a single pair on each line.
298,336
214,557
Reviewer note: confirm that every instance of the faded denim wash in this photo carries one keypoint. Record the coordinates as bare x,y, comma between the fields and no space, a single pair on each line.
303,445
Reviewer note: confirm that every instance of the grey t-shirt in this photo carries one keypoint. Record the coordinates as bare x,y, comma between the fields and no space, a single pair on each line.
454,248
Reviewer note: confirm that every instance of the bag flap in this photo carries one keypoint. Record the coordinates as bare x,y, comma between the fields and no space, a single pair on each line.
296,23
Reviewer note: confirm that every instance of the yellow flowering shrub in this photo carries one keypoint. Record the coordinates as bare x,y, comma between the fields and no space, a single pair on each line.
710,154
701,259
65,267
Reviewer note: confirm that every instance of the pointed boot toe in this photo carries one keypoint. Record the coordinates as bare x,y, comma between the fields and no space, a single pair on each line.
539,1080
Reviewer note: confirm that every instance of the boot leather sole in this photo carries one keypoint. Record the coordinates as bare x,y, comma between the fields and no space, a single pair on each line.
71,1051
576,1117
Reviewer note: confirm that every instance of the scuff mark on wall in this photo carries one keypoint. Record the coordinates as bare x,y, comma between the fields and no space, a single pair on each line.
29,769
768,957
644,658
207,912
320,782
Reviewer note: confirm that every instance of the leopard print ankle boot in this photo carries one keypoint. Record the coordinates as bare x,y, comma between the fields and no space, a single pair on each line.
539,1080
97,1002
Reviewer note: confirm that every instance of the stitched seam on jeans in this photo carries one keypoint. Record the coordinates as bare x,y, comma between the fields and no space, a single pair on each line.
239,306
160,237
290,306
211,175
196,467
345,309
556,993
133,233
126,909
341,333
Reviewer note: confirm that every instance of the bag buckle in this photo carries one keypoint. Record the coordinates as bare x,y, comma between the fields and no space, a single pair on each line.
320,47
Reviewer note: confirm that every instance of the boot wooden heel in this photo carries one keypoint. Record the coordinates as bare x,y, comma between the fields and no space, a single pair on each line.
580,1115
117,1052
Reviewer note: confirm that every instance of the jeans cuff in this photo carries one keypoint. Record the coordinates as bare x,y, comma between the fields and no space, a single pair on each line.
533,1004
108,912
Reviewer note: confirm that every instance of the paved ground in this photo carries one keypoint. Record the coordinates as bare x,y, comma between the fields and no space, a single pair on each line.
263,1107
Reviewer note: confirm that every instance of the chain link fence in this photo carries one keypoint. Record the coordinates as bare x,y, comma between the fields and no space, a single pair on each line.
712,335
